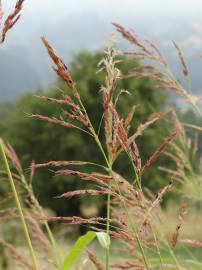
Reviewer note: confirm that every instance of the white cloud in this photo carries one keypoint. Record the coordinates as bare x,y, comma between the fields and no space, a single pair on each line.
193,42
156,16
48,10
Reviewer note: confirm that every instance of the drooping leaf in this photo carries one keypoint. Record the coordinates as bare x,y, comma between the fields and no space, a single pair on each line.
78,249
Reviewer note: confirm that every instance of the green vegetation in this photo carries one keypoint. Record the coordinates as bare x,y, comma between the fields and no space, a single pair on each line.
115,148
34,140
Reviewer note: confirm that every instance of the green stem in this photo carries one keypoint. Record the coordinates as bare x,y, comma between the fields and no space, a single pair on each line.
107,262
92,130
107,255
174,257
157,247
58,258
19,207
57,253
133,229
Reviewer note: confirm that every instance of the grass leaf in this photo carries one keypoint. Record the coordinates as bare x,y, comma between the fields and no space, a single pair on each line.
78,248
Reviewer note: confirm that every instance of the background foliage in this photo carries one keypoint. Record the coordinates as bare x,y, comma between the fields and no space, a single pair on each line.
42,142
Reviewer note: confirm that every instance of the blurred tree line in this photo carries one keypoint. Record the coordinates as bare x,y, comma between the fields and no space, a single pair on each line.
42,142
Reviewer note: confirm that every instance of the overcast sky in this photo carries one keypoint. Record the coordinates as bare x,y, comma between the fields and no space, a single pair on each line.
73,25
40,15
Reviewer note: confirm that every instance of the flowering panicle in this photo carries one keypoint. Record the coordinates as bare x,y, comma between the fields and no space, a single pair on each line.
182,60
133,215
60,67
107,92
175,235
156,154
91,192
54,120
11,20
142,127
60,163
159,71
127,266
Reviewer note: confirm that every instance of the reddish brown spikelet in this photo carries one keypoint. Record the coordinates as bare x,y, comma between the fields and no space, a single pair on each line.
94,259
142,127
175,235
129,117
74,219
178,125
121,134
13,158
161,194
156,154
145,230
67,100
182,60
107,114
100,179
131,37
158,53
71,172
91,192
78,116
32,169
60,67
11,20
76,112
60,163
138,158
128,266
123,138
125,185
135,55
53,120
124,236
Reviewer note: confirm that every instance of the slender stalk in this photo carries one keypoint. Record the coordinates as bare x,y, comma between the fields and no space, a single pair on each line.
157,247
133,229
107,261
91,128
107,255
19,207
57,253
174,257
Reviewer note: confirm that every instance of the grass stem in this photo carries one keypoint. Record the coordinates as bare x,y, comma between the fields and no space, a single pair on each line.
19,207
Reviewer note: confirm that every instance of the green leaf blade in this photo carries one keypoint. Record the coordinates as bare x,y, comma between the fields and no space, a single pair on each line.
78,249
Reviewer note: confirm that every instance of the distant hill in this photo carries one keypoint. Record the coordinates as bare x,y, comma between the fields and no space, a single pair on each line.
25,66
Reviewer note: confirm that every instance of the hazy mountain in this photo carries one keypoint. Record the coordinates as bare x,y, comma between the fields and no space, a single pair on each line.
25,66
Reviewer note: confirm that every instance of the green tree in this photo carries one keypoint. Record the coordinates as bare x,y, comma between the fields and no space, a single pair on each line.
42,142
189,117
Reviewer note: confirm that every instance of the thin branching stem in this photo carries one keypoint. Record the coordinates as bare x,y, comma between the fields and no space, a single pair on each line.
57,252
107,260
19,207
